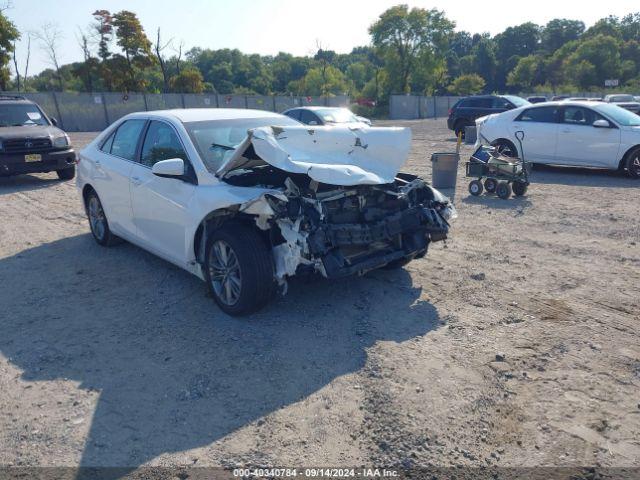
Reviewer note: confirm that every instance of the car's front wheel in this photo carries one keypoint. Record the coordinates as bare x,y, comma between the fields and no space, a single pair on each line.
633,164
98,221
239,269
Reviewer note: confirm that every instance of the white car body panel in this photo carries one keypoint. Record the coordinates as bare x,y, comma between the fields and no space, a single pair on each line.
562,143
328,154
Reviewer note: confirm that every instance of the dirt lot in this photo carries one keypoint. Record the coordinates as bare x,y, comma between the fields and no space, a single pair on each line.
514,344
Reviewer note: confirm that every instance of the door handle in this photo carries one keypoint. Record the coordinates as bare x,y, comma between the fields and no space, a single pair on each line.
566,130
136,181
97,163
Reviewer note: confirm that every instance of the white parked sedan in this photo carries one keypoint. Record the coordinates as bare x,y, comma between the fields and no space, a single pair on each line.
245,199
585,134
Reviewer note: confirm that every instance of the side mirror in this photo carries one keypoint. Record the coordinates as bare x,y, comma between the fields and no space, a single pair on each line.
601,124
54,120
174,167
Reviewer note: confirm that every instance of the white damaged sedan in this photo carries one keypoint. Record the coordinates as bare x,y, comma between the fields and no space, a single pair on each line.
245,199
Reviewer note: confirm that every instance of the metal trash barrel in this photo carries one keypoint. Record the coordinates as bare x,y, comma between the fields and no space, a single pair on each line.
470,135
444,169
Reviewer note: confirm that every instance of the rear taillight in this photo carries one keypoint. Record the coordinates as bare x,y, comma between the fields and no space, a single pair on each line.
450,111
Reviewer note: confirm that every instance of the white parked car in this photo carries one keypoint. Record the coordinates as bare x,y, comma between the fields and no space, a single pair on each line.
624,101
585,134
245,199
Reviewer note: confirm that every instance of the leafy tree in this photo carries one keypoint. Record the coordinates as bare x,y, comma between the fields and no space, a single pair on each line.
8,35
317,82
560,31
528,72
103,29
467,85
403,36
595,60
189,80
133,41
484,61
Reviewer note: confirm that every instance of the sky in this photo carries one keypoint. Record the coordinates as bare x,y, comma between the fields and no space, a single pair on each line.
293,26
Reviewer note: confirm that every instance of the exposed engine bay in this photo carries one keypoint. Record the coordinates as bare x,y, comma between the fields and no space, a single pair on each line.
332,199
344,230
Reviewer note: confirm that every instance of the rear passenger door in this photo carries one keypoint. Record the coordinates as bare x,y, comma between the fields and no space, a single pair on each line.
540,127
159,204
112,168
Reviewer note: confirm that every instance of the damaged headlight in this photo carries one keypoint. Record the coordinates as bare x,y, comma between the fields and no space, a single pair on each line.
449,212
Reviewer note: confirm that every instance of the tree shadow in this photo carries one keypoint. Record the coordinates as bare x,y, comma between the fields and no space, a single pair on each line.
582,177
27,182
173,371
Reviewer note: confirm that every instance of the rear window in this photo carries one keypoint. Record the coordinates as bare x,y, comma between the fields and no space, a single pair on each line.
540,114
477,102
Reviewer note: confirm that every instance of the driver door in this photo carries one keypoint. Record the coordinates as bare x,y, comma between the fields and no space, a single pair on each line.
160,205
582,144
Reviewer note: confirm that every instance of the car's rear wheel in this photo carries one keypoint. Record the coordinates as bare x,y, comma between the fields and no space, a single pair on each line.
458,128
239,269
98,221
67,173
506,148
633,164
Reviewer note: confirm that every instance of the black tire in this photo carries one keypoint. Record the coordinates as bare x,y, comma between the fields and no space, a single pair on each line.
247,284
67,173
519,188
490,185
633,164
506,148
503,190
98,221
475,187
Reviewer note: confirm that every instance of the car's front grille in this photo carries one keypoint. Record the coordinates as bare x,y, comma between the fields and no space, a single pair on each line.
26,145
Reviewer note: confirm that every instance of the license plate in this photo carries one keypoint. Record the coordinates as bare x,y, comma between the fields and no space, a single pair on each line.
33,157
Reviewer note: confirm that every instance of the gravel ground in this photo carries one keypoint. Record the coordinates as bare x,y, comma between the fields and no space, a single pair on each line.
514,344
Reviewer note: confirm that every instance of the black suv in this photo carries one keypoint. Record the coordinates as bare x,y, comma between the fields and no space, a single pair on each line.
466,110
30,141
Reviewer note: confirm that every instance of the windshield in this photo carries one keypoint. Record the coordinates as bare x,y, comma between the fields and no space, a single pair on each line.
621,98
620,115
21,114
216,140
336,115
517,101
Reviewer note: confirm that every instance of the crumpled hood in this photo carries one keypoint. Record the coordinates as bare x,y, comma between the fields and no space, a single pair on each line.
334,155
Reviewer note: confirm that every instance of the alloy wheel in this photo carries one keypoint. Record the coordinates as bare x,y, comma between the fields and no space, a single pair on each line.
97,218
225,273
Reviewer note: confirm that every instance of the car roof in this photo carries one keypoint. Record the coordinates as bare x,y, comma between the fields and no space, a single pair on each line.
14,100
316,107
202,114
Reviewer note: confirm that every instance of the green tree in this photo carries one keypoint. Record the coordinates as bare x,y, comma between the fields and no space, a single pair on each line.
317,82
528,72
467,85
8,35
189,80
403,36
558,32
133,41
484,61
594,60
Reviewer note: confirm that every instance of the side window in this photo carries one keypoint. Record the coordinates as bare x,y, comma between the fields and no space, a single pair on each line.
480,103
295,114
161,143
580,116
106,145
307,117
540,114
126,138
501,103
